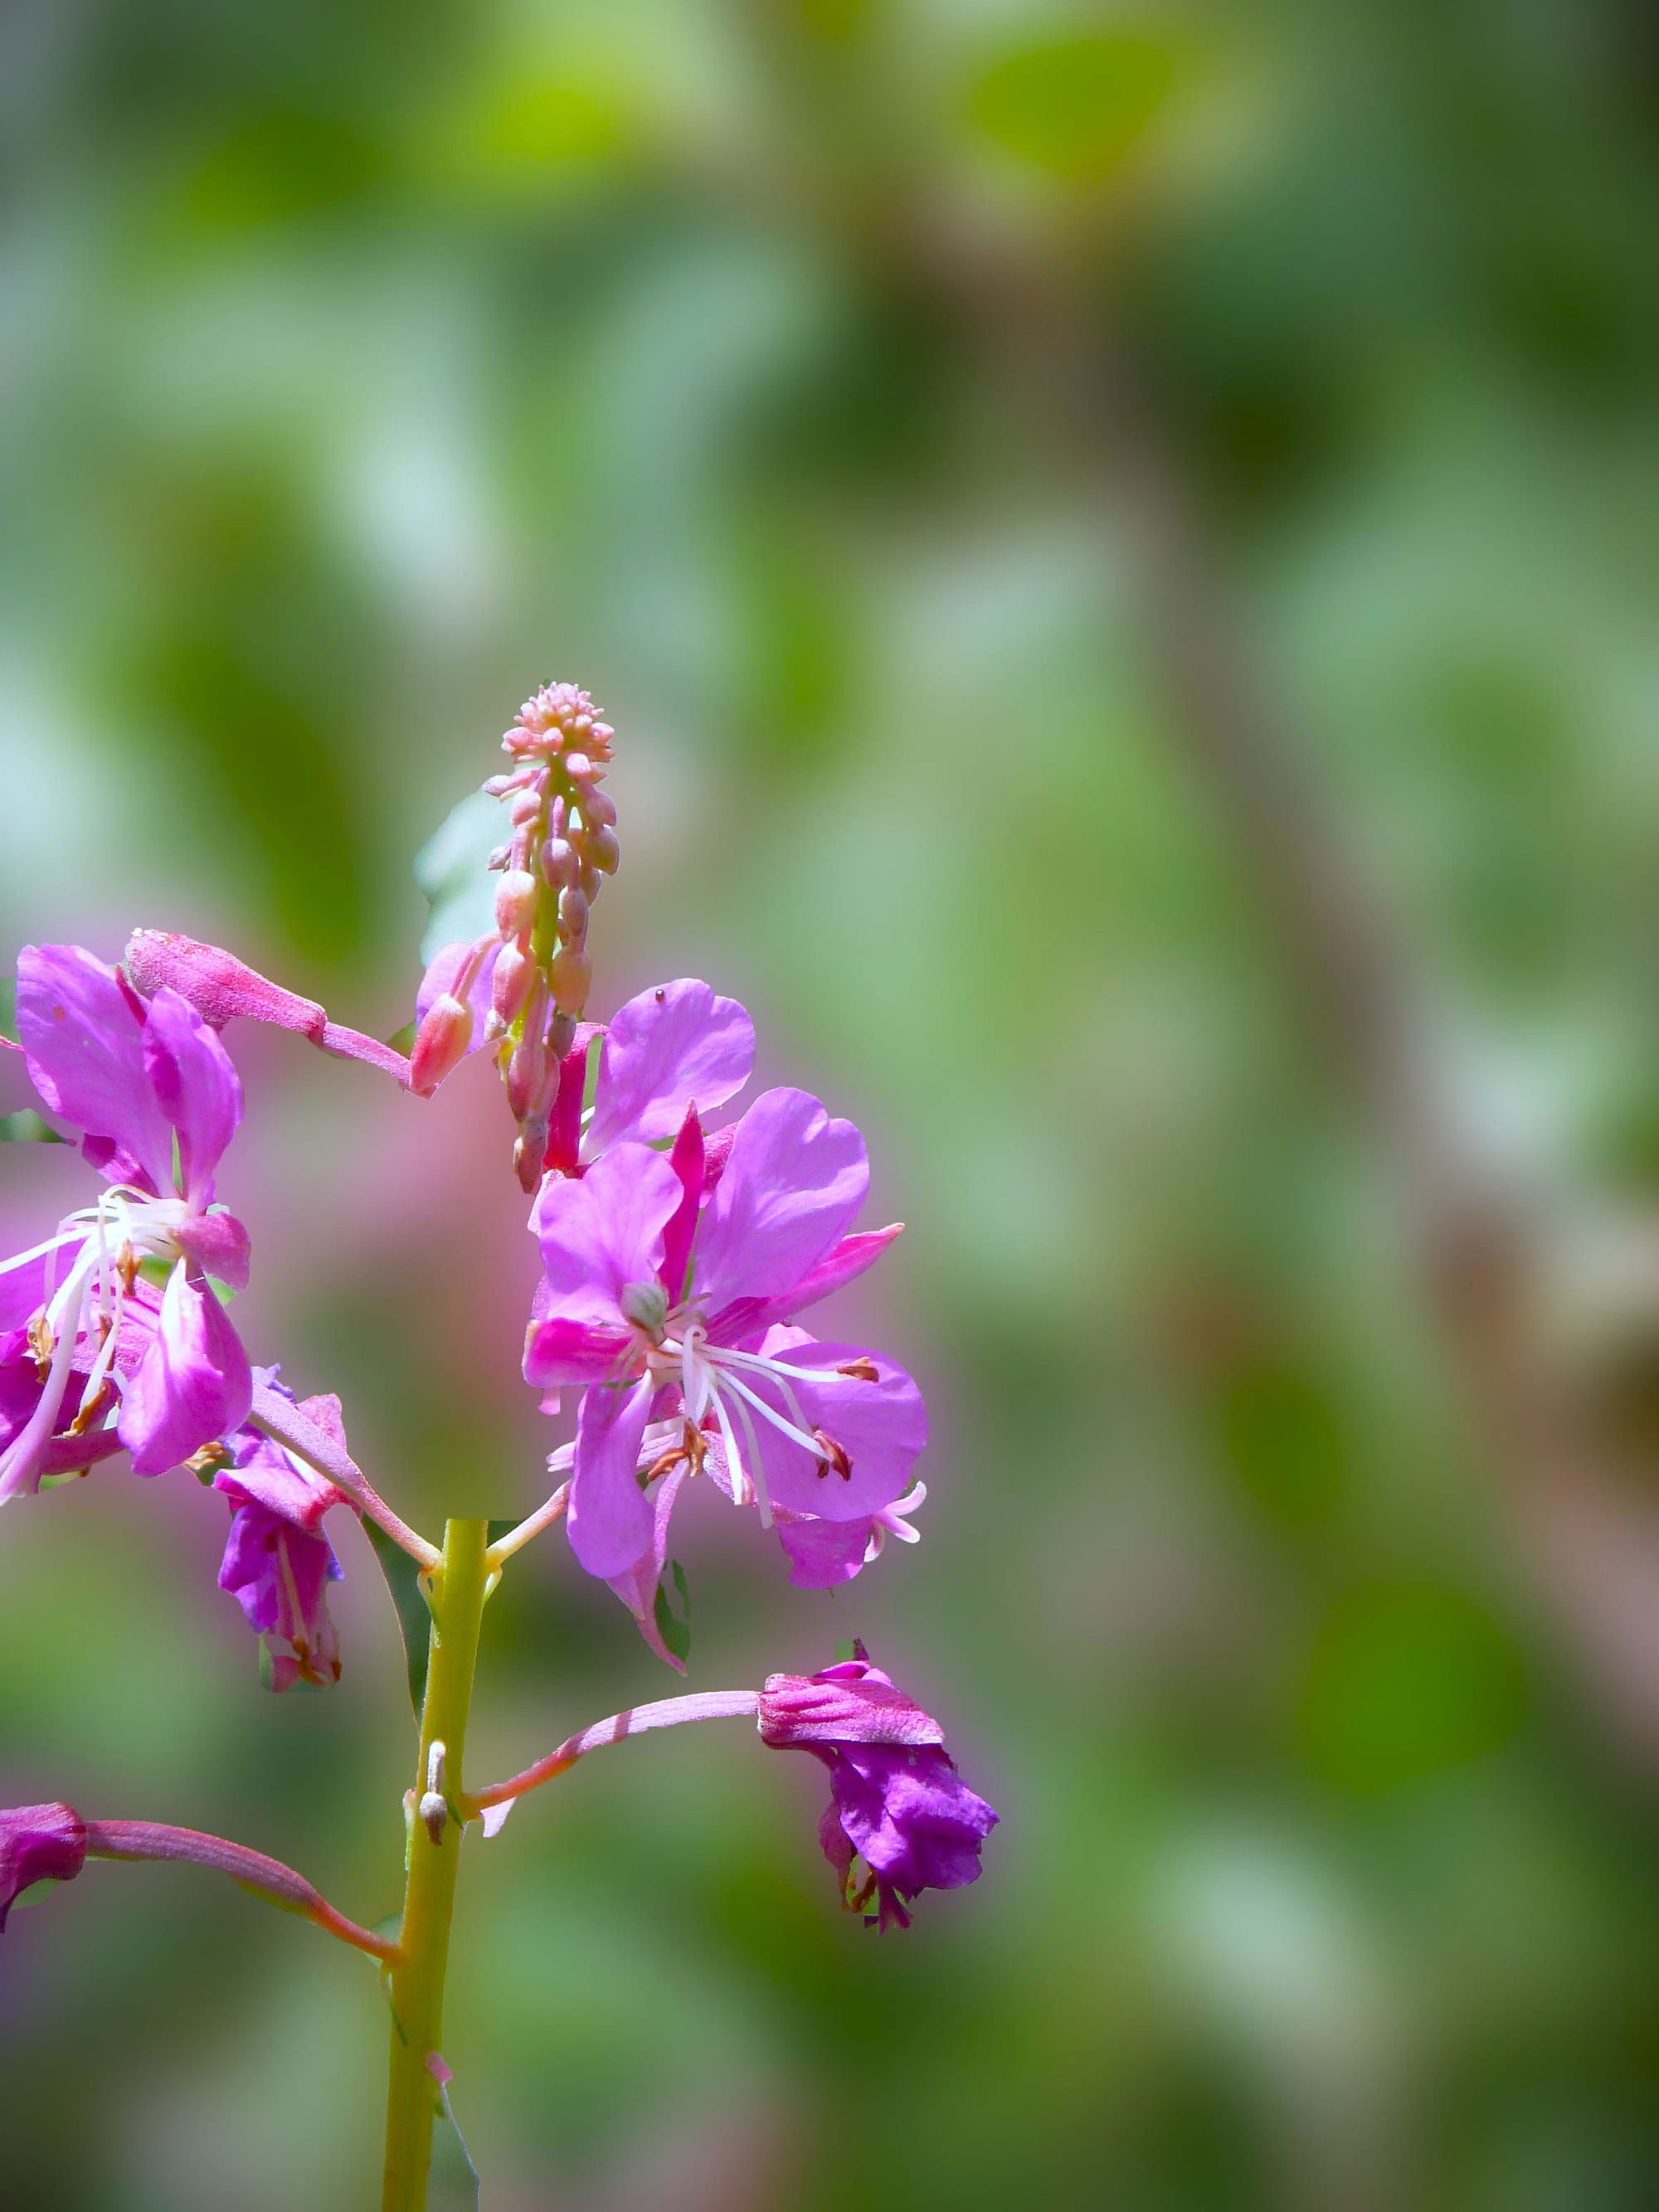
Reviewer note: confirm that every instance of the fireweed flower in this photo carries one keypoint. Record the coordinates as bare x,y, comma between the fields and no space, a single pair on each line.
900,1817
278,1562
660,1296
156,1100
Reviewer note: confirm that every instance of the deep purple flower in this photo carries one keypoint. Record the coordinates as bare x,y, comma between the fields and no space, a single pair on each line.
39,1843
278,1562
155,1100
897,1802
661,1294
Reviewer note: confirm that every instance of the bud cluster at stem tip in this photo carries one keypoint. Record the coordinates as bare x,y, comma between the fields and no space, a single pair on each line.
562,846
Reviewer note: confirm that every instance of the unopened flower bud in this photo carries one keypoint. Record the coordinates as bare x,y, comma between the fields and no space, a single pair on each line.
525,1074
603,850
573,919
599,809
515,972
440,1044
560,1035
498,859
529,1151
578,767
559,862
572,976
589,881
525,807
515,903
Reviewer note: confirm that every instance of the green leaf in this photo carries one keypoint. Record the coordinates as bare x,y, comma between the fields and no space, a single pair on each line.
452,2186
846,1652
9,1008
674,1629
403,1579
26,1127
450,869
1081,105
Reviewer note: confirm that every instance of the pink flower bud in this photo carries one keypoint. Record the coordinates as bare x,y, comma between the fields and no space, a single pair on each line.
573,919
515,903
559,862
498,858
525,807
560,1035
590,881
578,767
442,1043
599,809
572,977
515,972
603,850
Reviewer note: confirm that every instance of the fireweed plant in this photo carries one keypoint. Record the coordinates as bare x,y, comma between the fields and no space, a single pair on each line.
680,1253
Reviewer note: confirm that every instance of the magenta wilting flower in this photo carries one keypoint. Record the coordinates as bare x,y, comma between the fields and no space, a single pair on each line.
897,1802
656,1286
278,1562
38,1843
156,1100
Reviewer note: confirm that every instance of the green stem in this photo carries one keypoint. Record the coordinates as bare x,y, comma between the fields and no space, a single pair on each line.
459,1588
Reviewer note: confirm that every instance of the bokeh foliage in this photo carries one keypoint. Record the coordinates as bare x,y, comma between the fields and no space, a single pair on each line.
364,366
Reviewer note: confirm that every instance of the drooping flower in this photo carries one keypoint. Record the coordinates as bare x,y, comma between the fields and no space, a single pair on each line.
38,1843
278,1562
898,1809
654,1288
155,1100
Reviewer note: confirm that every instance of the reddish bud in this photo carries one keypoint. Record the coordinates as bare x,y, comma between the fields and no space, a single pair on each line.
599,809
559,862
603,850
515,903
515,972
573,919
442,1043
572,977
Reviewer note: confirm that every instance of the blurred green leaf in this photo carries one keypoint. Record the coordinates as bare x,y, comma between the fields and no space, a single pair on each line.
1081,105
451,871
403,1579
453,2185
26,1127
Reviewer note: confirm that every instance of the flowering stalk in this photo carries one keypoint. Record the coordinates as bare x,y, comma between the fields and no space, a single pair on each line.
679,1255
458,1585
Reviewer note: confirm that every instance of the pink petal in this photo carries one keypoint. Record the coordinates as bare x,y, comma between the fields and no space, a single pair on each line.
600,1233
193,1385
793,1181
881,1427
610,1522
637,1588
83,1036
218,1244
665,1051
194,1085
823,1553
748,1317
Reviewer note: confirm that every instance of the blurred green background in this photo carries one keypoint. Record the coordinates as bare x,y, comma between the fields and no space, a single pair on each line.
364,366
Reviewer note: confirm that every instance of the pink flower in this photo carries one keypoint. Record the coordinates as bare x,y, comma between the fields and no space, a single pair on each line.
897,1803
278,1562
154,1095
660,1294
38,1843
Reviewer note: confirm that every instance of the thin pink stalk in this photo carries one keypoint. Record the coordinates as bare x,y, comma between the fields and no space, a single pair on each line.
546,1515
267,1878
667,1712
279,1416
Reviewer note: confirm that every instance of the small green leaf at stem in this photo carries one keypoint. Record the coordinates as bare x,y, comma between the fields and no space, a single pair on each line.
674,1629
8,1008
452,2185
403,1580
26,1127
